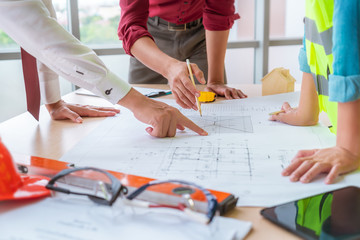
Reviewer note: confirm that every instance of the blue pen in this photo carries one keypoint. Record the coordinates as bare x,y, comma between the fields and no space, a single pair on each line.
158,94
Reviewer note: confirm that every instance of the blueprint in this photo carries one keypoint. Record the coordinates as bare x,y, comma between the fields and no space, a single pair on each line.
60,218
244,152
224,124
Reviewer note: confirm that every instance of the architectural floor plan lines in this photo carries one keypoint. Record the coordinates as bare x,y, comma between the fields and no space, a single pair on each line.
195,163
244,152
206,162
224,124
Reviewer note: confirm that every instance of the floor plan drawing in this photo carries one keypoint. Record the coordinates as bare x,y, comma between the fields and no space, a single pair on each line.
224,124
244,152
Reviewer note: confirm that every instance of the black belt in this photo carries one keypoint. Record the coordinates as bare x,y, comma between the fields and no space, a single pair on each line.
178,27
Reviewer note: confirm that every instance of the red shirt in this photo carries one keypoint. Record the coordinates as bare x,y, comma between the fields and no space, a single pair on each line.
218,15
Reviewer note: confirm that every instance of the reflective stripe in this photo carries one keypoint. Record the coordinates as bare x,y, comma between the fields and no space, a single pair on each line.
318,43
322,84
324,38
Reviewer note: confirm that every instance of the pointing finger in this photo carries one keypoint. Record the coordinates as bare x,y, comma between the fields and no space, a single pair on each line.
192,126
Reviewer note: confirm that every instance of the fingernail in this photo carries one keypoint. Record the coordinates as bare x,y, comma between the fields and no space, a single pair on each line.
79,120
195,108
294,178
304,180
285,173
148,129
204,133
197,94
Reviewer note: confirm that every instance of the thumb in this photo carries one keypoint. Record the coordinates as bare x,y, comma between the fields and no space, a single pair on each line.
286,106
149,130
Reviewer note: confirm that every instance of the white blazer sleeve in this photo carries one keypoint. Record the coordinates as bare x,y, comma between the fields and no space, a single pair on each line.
48,79
29,23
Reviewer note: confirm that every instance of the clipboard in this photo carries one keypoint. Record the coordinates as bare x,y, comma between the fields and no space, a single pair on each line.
158,194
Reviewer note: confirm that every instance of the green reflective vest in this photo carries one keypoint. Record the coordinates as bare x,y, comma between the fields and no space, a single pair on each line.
318,42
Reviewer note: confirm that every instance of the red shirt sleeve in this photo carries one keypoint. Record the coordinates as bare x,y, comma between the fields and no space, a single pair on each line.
219,15
133,22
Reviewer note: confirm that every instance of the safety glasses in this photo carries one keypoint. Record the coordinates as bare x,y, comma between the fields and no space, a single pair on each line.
103,188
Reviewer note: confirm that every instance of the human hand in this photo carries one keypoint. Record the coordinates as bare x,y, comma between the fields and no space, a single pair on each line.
287,114
181,85
164,119
294,116
62,110
307,164
227,92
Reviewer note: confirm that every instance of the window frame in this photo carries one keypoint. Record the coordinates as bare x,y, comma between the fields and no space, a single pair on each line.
261,44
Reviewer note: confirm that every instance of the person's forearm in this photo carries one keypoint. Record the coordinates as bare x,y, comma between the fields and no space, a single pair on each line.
58,49
308,108
175,71
348,129
132,100
216,42
48,79
146,51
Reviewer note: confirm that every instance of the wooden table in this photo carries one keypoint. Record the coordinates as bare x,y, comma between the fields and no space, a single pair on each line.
52,139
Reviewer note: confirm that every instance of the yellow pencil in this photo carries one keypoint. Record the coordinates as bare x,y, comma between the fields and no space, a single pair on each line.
277,112
192,79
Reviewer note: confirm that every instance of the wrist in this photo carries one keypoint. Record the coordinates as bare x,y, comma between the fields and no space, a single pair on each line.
133,100
354,156
50,106
167,68
349,145
215,80
348,126
212,83
307,117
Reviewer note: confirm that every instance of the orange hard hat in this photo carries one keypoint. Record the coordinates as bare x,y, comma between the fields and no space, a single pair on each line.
14,185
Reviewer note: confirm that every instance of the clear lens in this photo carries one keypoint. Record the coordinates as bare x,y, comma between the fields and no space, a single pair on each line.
194,201
175,195
87,182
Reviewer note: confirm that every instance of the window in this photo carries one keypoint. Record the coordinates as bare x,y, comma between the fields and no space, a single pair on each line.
99,21
12,89
11,79
243,29
239,65
6,42
286,22
95,22
286,18
286,57
62,13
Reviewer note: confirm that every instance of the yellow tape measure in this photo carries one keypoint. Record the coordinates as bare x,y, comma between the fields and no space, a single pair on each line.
206,97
